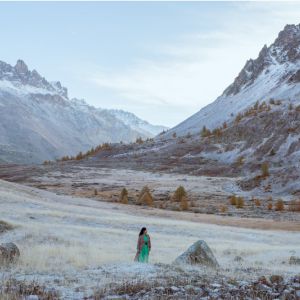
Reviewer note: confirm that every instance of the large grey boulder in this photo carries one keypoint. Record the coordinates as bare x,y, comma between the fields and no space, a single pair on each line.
198,254
9,252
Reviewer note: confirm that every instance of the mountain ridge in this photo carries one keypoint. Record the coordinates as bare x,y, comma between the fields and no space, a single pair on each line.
39,122
275,73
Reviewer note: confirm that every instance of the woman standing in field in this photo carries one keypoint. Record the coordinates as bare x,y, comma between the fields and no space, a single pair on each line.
143,246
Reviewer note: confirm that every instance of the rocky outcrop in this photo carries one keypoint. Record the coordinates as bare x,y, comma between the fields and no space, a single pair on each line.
21,75
9,252
284,49
250,72
198,254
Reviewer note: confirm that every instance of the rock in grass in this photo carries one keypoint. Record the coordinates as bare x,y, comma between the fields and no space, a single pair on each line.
198,254
9,252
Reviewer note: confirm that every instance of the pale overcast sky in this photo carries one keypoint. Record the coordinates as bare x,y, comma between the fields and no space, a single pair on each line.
161,61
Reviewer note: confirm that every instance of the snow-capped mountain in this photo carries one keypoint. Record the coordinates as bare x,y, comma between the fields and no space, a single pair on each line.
275,73
39,122
262,130
136,123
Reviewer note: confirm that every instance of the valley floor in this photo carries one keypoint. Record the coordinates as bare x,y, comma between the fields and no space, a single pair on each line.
78,246
207,195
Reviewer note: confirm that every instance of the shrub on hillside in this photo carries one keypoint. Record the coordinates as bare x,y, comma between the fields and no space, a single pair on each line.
143,191
240,202
257,202
279,205
79,156
180,193
233,200
217,132
184,205
294,206
145,196
139,141
270,206
223,209
265,169
124,196
205,132
238,118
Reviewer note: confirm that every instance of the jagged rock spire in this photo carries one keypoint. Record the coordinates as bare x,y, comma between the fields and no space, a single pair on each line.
21,67
284,49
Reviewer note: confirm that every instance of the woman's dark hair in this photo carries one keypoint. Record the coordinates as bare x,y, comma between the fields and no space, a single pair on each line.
142,231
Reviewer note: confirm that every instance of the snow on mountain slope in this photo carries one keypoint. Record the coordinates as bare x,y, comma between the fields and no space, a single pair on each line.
274,74
39,122
136,123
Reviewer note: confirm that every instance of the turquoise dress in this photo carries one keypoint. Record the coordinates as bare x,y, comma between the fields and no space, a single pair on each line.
144,254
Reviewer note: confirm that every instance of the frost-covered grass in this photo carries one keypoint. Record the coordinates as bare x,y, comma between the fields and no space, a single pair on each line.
76,243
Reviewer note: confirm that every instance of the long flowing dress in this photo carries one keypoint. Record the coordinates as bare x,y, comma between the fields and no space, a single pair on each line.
144,253
144,246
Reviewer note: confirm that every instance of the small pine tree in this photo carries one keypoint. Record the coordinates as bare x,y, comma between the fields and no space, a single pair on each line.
257,202
95,192
223,209
291,107
79,156
147,199
279,205
139,141
174,135
233,200
272,152
238,118
294,206
143,191
240,202
145,196
124,196
184,205
224,125
217,132
205,132
180,193
265,169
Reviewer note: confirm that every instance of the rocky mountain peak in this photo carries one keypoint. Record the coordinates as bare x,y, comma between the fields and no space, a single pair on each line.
21,67
285,49
288,34
20,75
